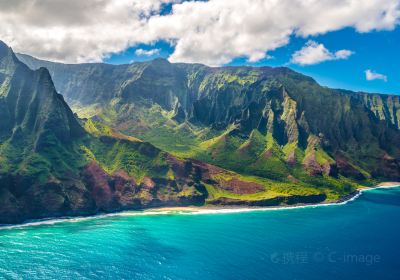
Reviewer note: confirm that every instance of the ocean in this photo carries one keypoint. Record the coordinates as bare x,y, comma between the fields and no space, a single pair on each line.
356,240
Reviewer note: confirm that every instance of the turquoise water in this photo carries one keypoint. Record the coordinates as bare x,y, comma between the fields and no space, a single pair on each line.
359,240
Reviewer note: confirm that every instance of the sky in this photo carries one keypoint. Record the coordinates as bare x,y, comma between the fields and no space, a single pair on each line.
351,44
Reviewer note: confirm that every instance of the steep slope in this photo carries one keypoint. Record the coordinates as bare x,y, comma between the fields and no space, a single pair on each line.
272,123
102,81
187,82
36,136
35,119
52,164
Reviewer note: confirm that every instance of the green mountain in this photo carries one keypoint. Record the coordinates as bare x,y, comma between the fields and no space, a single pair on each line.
268,122
53,164
215,136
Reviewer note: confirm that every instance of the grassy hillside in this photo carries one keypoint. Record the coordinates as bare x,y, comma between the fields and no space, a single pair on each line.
52,164
269,122
155,134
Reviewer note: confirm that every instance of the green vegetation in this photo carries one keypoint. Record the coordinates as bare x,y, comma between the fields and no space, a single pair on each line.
203,135
257,156
114,155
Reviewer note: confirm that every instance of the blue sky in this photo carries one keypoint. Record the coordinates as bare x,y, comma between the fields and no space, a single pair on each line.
334,41
377,51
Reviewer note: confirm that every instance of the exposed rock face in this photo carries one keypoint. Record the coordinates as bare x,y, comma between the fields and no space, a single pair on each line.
288,105
384,107
240,187
120,191
30,106
44,171
187,88
37,127
280,130
51,166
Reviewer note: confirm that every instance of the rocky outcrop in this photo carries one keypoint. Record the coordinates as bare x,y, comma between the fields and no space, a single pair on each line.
46,169
272,123
278,101
50,166
384,107
31,107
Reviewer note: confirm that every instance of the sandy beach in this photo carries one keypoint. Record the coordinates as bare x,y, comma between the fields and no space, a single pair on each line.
231,209
198,210
388,184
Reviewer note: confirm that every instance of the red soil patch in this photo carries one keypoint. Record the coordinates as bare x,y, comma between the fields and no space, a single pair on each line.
241,187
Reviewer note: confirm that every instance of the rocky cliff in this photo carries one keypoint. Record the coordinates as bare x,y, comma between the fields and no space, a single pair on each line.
270,122
53,164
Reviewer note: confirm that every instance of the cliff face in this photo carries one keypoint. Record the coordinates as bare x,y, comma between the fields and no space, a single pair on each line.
37,133
52,164
258,136
30,107
384,107
166,83
322,130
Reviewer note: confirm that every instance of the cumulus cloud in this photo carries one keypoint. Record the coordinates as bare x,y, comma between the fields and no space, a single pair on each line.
142,52
74,30
212,32
314,53
372,75
343,54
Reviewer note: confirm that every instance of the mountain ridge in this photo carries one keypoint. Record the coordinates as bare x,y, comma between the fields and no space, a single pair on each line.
384,106
50,166
33,62
53,164
212,113
222,136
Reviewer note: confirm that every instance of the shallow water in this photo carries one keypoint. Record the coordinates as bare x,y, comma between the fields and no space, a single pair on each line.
358,240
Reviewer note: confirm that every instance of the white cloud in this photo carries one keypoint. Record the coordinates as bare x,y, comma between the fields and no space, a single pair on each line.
314,53
74,30
142,52
212,32
343,54
372,75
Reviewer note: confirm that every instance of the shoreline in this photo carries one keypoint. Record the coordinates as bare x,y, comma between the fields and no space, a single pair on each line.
234,209
198,210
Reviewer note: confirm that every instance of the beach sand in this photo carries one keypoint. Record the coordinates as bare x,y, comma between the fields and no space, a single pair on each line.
194,210
232,209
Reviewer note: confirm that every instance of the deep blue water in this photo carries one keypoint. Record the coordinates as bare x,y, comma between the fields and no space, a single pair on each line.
359,240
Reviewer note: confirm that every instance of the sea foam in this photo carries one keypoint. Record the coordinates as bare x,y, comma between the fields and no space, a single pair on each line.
188,211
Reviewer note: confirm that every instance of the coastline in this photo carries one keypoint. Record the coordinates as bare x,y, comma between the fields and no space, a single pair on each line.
198,210
387,185
236,209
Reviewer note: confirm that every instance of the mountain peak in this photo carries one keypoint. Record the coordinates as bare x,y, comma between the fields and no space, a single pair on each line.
42,112
3,45
161,61
4,49
8,59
